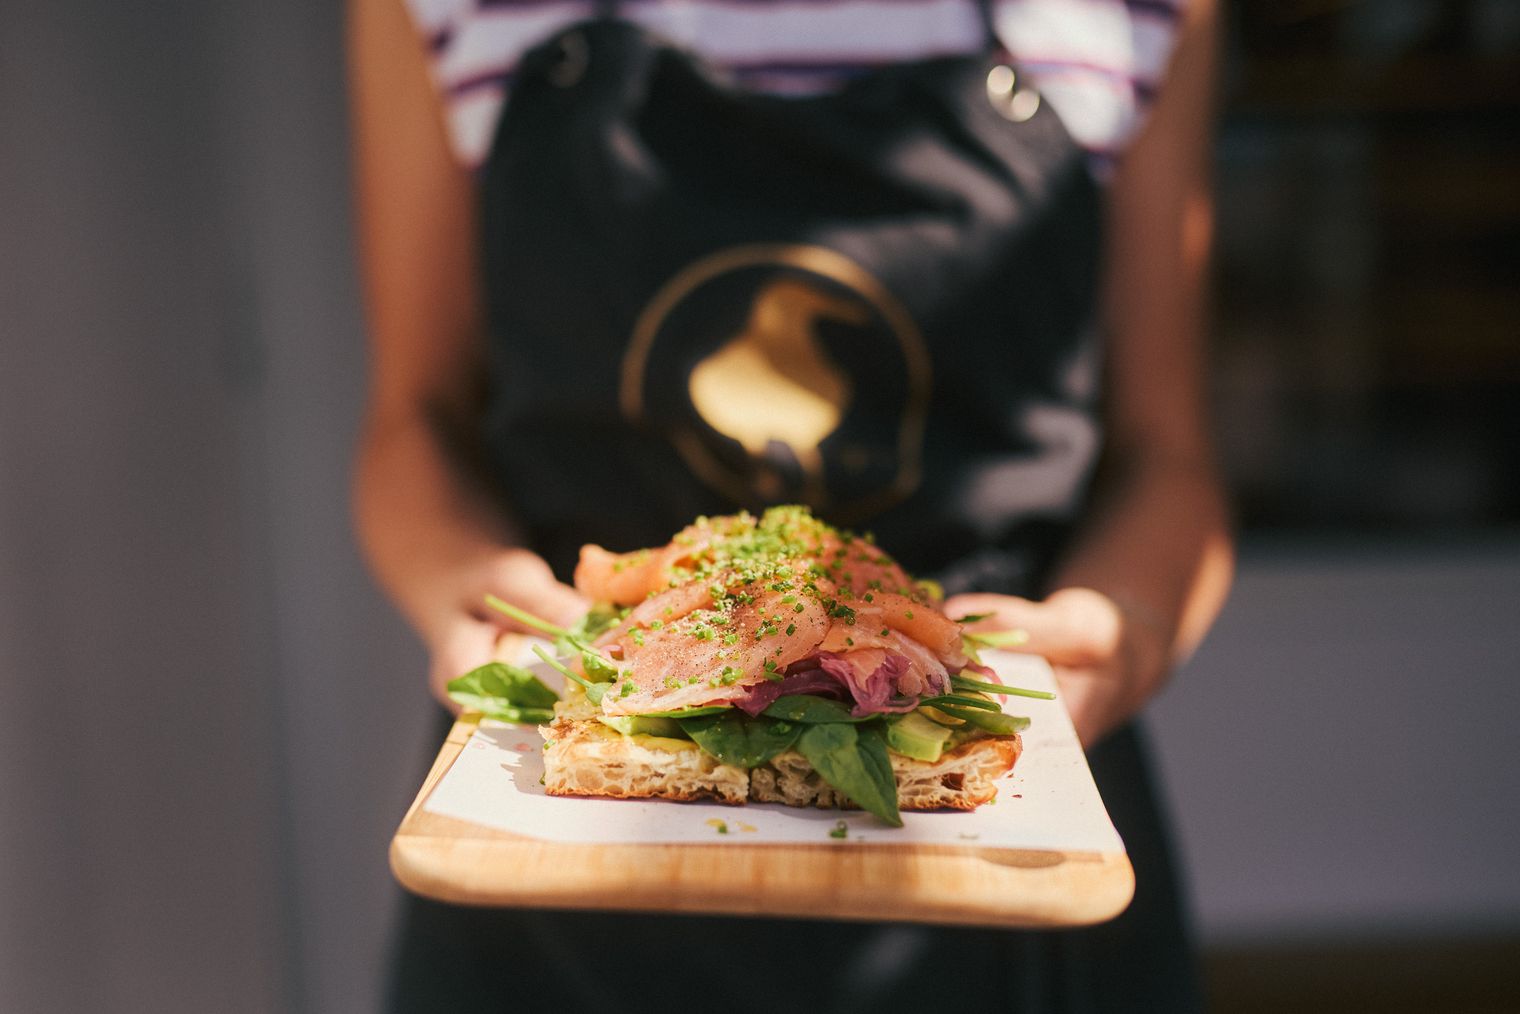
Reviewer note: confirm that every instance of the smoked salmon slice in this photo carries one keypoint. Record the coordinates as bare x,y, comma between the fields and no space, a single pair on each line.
735,602
713,655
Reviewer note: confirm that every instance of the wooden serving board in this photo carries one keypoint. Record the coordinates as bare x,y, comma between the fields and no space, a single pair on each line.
457,861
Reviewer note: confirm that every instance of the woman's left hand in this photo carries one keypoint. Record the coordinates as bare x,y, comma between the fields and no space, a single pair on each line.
1106,662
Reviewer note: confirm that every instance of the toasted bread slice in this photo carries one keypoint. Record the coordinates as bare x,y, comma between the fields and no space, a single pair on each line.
962,779
583,757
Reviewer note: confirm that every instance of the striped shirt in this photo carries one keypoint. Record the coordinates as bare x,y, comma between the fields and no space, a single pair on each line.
1098,63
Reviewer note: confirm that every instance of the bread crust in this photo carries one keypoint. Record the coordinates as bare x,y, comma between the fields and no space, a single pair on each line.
962,779
583,757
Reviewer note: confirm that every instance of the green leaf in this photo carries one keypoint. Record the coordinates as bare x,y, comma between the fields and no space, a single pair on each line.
810,710
735,738
521,716
495,707
512,683
508,692
983,687
853,760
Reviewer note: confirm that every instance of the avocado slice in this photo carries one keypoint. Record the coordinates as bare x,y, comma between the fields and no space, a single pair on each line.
913,735
644,725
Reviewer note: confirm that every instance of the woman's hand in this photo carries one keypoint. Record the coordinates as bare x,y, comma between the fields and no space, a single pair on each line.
467,633
1106,659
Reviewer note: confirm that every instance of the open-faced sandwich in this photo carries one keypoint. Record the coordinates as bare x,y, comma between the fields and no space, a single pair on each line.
770,659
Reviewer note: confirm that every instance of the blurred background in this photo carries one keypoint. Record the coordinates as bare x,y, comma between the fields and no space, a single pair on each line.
210,723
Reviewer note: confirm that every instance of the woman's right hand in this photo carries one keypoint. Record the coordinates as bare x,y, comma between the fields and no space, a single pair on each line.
467,633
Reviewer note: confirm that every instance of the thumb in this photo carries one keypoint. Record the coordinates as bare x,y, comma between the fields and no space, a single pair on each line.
523,579
1068,628
467,644
1002,614
561,604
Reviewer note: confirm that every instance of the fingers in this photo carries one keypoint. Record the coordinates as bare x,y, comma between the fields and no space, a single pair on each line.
471,633
560,604
525,580
1078,630
472,643
1074,626
1000,611
467,644
1095,701
515,649
1043,631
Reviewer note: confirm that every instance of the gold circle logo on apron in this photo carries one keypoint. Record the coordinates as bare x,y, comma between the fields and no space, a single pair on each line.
784,373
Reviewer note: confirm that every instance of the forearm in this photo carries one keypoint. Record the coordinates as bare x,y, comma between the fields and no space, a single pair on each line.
1157,544
424,512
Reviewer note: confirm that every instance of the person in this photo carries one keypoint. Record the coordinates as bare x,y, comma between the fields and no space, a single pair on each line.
477,475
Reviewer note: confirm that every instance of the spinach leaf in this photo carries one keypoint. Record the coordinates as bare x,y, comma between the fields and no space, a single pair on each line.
810,710
518,716
853,759
507,692
735,738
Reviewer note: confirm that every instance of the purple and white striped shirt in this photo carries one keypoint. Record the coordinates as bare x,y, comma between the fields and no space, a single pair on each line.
1099,63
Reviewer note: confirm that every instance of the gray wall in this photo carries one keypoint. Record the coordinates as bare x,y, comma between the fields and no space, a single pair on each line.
1341,753
210,723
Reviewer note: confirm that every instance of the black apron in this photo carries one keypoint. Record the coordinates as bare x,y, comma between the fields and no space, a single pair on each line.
877,301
